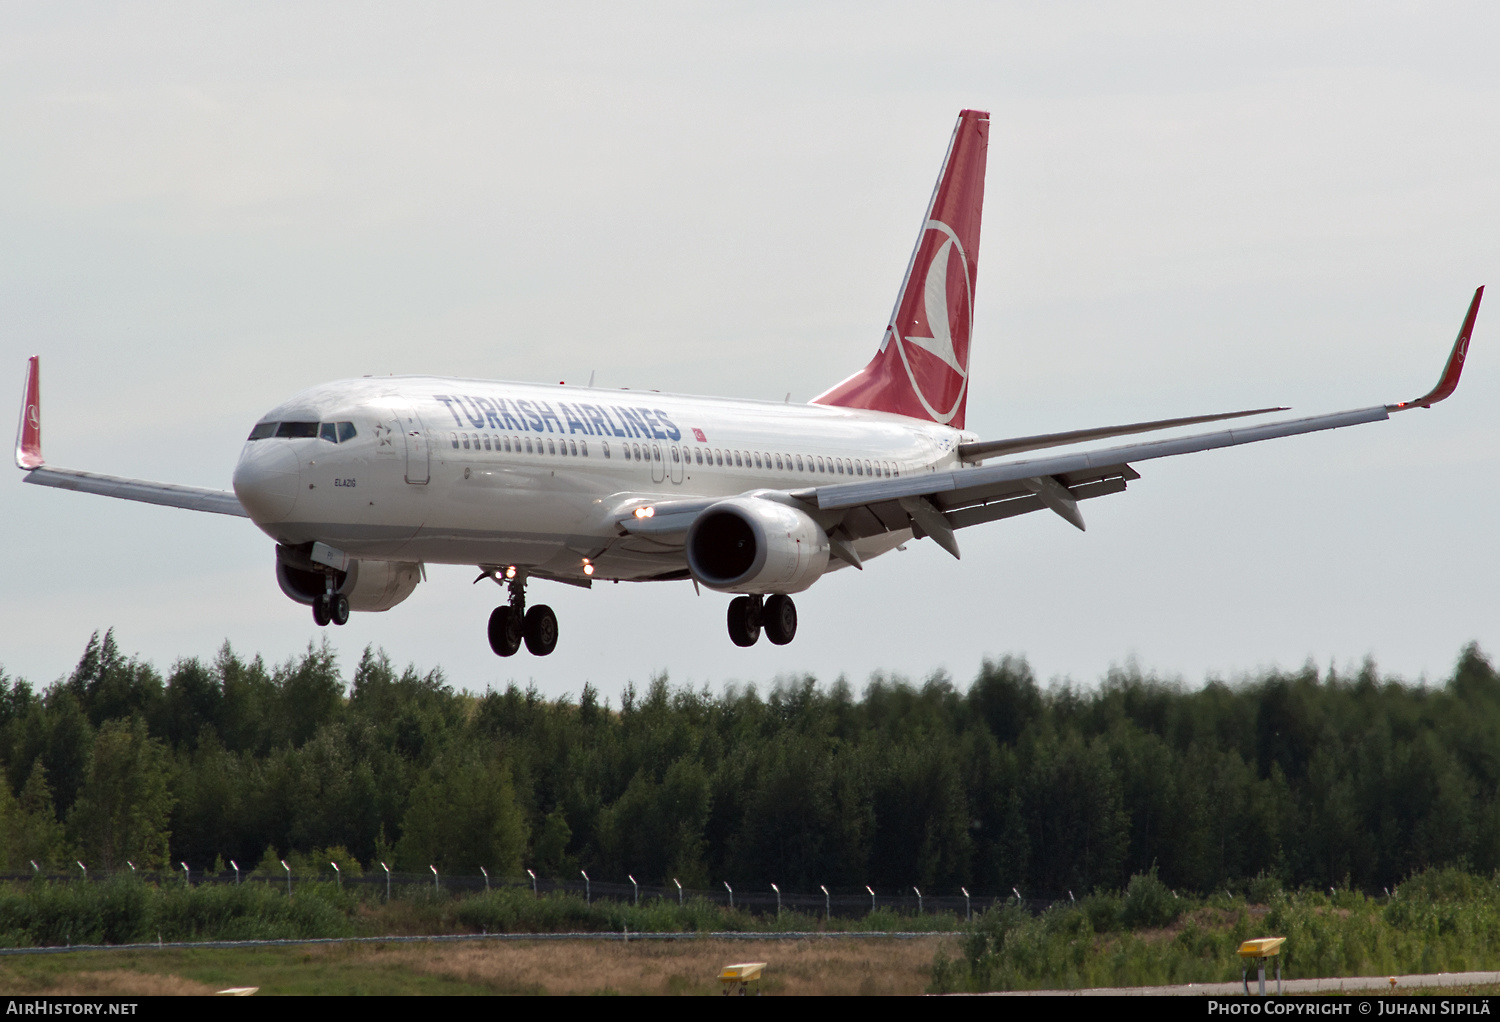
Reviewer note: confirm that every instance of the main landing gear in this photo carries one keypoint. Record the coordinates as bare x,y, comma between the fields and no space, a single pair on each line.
511,624
330,607
749,616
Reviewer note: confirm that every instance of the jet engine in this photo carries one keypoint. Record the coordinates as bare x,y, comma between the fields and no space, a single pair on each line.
753,545
369,585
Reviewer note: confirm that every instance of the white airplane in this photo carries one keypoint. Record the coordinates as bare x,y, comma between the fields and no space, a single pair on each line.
362,482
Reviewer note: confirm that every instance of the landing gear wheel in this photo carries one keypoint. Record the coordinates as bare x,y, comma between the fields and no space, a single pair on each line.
780,619
744,620
321,614
339,611
505,631
541,630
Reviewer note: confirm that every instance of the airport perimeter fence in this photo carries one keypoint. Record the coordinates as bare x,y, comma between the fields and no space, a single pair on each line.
758,901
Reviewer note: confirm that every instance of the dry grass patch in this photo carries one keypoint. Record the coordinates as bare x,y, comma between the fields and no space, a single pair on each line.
116,982
688,966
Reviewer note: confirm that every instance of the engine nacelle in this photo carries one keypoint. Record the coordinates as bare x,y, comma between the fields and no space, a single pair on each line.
753,545
369,585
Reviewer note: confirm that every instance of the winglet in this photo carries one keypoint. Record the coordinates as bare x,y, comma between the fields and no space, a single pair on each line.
29,429
1449,381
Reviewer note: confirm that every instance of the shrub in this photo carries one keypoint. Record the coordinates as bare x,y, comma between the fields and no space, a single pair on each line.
1148,903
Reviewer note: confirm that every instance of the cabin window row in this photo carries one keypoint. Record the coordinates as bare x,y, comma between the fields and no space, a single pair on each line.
762,460
768,461
514,444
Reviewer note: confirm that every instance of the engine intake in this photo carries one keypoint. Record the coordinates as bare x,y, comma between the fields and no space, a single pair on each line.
752,545
369,585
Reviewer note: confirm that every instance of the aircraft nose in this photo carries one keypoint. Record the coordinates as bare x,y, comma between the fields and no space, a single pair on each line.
267,480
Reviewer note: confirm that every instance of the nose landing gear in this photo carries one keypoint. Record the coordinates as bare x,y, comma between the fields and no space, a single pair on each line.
330,607
750,615
511,623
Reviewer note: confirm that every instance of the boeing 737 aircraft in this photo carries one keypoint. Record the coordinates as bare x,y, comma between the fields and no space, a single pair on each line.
362,482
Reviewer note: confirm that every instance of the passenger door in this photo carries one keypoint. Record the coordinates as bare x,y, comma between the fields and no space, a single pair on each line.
418,455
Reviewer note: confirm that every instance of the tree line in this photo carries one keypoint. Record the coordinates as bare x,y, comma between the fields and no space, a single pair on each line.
1312,778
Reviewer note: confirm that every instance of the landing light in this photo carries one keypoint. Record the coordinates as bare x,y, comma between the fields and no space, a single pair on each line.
588,569
510,572
645,512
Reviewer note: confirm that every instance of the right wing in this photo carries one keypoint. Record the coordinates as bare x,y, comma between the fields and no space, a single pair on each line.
979,450
29,456
936,504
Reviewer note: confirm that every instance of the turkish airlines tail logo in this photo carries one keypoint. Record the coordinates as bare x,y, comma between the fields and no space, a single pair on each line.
922,366
29,430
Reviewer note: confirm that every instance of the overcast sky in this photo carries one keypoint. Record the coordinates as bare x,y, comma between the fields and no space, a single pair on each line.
1190,208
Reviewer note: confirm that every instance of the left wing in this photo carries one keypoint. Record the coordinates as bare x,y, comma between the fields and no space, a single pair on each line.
29,456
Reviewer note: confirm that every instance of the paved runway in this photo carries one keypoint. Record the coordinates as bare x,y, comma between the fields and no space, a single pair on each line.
1347,984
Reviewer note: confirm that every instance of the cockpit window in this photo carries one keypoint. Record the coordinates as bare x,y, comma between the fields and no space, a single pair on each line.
333,432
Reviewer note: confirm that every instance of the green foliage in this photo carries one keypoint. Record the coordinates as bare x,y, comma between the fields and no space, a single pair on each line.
122,910
1138,786
463,816
551,849
1439,921
124,807
1148,903
29,829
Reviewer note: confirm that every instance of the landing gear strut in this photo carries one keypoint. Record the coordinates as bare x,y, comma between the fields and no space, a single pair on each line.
750,615
330,607
511,623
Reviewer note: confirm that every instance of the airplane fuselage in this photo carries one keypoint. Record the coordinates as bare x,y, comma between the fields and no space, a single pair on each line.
455,471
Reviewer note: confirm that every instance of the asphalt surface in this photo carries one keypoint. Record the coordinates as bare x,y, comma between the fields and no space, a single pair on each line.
1349,984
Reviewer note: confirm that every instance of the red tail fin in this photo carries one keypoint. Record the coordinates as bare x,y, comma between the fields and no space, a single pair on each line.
29,431
922,367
